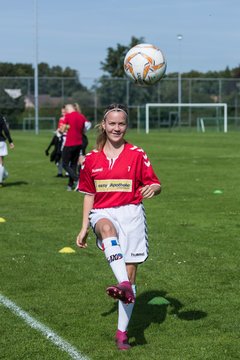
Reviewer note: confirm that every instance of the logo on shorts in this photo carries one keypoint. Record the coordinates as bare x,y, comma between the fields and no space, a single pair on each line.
114,258
137,254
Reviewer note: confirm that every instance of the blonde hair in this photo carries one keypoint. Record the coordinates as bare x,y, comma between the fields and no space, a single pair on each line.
102,136
69,108
77,107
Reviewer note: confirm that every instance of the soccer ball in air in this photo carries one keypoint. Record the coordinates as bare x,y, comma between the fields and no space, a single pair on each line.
145,64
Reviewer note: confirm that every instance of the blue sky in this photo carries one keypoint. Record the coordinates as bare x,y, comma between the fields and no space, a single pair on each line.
77,33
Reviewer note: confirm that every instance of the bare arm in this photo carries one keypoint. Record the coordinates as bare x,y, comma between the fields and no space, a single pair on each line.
6,131
87,207
63,128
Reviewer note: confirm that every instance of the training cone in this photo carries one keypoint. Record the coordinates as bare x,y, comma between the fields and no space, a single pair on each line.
158,300
218,192
67,250
2,220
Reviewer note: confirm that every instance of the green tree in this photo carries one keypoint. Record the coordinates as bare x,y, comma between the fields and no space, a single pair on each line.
113,64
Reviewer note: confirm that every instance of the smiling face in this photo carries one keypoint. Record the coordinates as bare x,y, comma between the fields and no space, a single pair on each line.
115,126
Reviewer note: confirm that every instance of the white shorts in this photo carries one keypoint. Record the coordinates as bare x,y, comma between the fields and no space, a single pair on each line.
3,148
130,224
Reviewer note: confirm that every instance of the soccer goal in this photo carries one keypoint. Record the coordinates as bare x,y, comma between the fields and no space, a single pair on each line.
175,108
45,123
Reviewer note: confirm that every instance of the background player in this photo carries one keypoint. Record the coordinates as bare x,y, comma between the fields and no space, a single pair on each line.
4,134
75,123
58,142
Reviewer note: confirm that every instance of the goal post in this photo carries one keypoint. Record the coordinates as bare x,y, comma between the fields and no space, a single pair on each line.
48,123
188,105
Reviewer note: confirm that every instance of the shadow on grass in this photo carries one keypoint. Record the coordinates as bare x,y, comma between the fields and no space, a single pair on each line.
144,314
15,183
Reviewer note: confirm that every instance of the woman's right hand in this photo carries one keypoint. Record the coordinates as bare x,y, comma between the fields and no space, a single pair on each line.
82,239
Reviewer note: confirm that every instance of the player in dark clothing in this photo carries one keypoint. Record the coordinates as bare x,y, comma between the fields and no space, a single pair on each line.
56,142
4,135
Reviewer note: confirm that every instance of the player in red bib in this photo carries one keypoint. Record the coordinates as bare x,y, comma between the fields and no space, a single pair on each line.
115,178
75,123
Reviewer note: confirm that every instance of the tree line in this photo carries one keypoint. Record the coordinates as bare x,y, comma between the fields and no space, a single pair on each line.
111,85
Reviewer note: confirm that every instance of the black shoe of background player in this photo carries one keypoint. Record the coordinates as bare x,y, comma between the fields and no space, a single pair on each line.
46,153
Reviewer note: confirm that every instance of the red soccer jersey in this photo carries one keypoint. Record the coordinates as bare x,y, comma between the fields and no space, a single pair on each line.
116,182
76,122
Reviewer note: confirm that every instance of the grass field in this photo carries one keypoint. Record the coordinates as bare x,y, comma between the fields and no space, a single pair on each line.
194,256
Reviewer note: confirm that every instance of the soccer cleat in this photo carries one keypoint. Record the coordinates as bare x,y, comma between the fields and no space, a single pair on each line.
122,291
122,340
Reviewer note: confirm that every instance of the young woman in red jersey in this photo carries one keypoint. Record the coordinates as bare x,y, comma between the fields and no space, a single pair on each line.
75,123
115,178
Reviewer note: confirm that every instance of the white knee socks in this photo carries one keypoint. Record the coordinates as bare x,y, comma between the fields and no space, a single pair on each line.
115,258
125,313
1,173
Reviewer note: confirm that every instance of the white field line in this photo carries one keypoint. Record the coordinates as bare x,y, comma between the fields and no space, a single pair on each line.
46,331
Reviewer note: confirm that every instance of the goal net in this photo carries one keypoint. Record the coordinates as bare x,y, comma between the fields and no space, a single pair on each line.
45,123
184,114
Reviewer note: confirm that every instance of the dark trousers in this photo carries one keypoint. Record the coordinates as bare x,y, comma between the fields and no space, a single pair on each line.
70,157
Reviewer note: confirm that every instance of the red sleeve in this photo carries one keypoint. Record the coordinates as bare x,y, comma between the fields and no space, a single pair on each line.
148,176
86,182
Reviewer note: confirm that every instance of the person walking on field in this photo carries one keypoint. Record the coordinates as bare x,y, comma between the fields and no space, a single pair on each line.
58,141
75,125
4,134
87,127
115,178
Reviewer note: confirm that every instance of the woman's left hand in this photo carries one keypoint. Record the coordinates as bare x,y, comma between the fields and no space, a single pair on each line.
148,191
82,239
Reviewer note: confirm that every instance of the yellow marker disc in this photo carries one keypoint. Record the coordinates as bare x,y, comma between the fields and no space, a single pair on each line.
67,250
